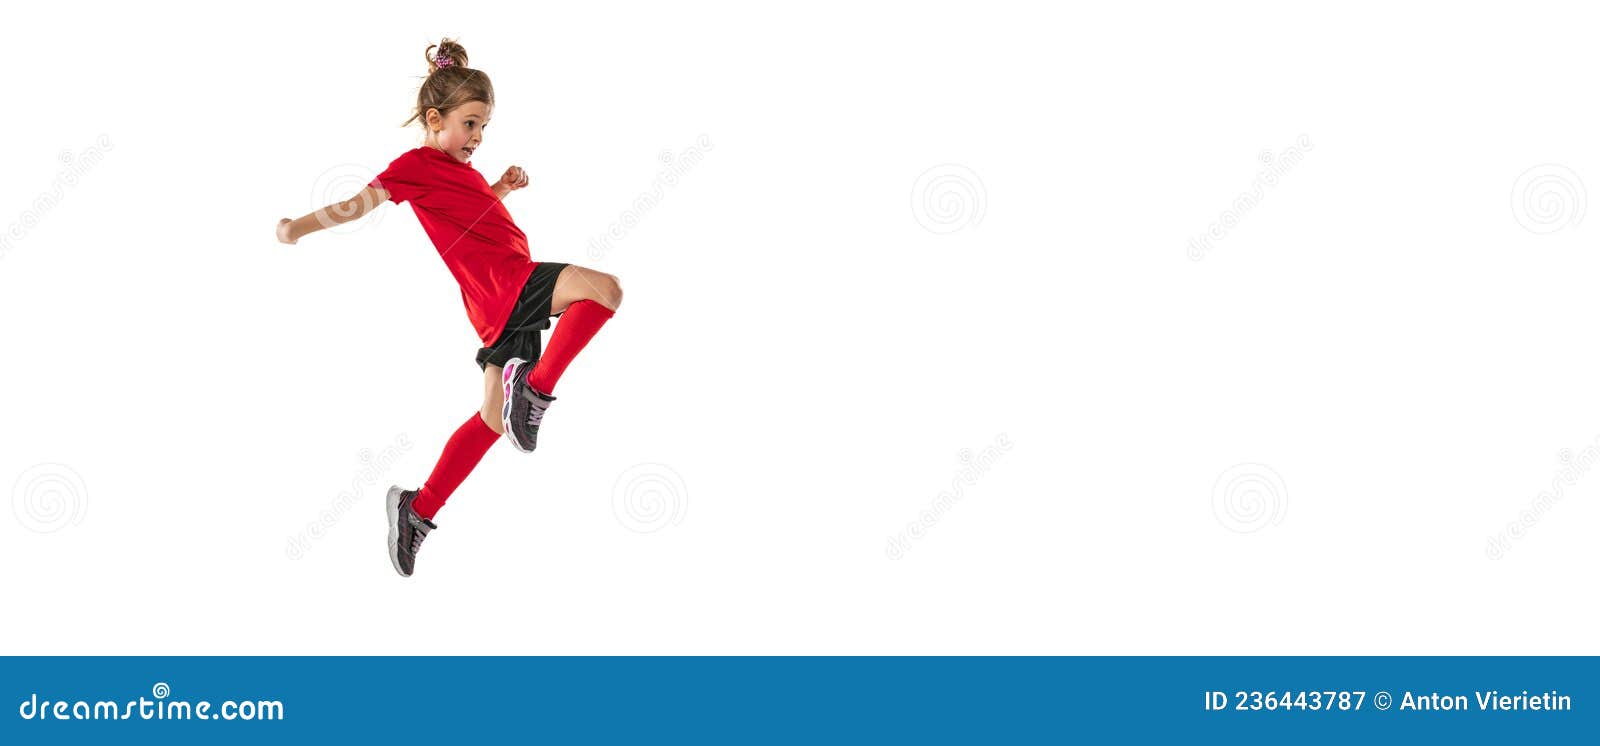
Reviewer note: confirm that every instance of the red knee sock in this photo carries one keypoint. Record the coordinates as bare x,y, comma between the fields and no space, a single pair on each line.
462,452
576,327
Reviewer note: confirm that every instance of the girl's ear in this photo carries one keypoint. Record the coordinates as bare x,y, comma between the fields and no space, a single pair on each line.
434,119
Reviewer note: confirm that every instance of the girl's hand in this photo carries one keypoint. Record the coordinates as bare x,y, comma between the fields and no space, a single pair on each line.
283,231
514,179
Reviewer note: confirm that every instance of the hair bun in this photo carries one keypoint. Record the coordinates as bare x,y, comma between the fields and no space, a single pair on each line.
450,83
449,54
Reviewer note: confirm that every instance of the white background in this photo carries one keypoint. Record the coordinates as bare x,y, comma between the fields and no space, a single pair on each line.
800,364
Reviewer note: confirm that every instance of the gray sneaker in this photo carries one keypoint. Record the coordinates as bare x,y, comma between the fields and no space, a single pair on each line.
524,407
406,530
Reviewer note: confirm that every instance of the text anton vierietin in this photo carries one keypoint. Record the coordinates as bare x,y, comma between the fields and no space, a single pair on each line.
1354,700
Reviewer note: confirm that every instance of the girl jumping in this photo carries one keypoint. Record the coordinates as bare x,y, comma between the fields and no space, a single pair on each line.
509,297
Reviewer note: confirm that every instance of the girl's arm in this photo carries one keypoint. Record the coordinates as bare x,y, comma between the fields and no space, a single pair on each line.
290,231
514,179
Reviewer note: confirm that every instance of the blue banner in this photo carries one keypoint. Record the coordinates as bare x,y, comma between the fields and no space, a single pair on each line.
799,700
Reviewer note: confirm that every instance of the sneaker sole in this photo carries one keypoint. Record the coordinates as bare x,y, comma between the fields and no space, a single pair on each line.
392,504
507,378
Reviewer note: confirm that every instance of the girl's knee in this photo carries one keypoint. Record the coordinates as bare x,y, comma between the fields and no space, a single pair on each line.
611,292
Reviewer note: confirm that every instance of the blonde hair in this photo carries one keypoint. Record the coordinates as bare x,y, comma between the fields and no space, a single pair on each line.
450,83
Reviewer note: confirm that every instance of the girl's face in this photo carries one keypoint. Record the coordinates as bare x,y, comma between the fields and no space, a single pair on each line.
461,131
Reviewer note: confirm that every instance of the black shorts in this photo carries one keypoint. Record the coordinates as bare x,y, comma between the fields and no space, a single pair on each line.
523,334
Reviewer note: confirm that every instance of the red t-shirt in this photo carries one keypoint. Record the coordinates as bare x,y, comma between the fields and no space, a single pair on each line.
487,253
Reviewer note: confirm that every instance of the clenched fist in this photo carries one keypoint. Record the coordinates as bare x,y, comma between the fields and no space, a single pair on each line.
515,179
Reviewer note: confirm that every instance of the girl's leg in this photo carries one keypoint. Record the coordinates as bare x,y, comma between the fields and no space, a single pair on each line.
493,397
586,299
464,449
577,283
